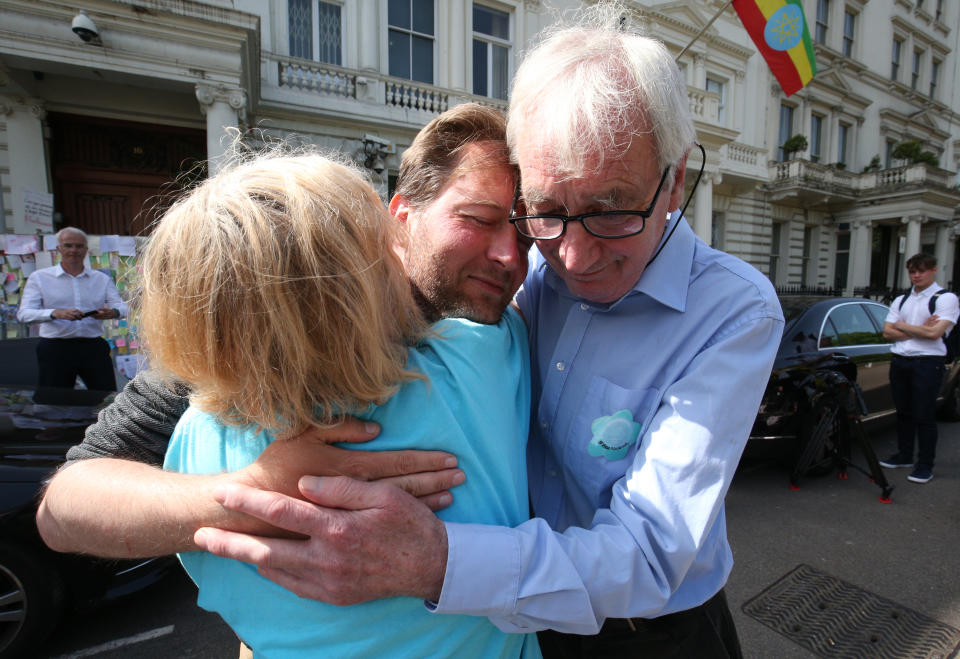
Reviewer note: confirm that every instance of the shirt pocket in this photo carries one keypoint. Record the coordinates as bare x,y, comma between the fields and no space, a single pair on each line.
605,435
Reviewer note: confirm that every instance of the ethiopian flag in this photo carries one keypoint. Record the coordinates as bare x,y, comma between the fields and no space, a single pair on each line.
779,30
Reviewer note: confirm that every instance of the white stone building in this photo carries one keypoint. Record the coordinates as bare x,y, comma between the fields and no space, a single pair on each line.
105,124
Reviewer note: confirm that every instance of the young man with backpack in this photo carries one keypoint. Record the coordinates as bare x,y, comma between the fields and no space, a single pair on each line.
917,321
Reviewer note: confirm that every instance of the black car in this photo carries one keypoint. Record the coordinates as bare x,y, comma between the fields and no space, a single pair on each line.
37,585
832,365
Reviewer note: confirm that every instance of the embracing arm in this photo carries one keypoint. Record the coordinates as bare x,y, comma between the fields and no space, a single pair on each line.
531,577
120,503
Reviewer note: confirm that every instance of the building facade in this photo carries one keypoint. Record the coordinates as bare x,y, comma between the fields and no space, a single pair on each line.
107,120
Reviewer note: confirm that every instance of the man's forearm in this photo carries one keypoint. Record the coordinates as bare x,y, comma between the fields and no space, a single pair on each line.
934,331
136,510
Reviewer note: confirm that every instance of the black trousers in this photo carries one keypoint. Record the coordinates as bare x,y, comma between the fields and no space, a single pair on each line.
915,383
60,361
703,632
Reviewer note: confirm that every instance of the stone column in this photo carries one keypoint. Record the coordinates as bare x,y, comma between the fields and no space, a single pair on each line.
703,208
28,163
369,35
946,268
699,71
944,252
224,108
858,274
459,42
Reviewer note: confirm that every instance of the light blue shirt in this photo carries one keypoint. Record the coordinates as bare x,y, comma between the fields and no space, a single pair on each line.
475,404
55,288
626,528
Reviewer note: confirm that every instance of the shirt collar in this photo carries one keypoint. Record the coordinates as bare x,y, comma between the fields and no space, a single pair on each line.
928,291
60,272
666,280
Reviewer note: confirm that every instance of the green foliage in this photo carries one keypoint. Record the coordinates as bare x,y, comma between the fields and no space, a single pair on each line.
874,164
912,151
795,144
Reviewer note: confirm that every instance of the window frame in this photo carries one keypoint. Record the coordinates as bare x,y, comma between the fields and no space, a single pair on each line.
849,33
895,57
315,32
916,68
790,110
843,137
816,136
491,41
411,33
722,93
822,23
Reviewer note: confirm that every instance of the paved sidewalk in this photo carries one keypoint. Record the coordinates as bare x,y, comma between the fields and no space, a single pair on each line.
907,551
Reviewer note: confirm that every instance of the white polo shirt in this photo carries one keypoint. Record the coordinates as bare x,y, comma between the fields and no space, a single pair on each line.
915,311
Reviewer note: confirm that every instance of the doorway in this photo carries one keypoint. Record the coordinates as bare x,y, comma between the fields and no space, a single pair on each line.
117,177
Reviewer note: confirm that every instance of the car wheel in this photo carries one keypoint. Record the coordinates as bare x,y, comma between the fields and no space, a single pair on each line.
817,443
31,601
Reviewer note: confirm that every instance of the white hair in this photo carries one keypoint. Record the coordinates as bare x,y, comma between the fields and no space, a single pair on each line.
591,85
74,230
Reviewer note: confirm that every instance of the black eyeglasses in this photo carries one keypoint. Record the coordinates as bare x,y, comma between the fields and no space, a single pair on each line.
602,224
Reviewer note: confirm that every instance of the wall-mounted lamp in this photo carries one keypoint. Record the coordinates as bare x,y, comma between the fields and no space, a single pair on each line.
86,29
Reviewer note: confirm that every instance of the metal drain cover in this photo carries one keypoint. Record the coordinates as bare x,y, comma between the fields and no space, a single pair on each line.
833,618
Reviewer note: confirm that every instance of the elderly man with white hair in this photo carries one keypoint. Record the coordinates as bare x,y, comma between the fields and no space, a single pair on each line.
70,300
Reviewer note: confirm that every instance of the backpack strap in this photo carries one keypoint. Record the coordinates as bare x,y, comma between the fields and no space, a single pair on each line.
932,305
903,298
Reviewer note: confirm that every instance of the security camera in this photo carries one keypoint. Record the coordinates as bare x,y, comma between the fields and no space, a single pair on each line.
376,139
85,28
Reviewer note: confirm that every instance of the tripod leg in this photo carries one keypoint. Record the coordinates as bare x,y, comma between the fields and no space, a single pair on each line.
876,471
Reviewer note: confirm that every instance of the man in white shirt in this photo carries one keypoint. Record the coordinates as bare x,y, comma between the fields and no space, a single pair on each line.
917,321
70,300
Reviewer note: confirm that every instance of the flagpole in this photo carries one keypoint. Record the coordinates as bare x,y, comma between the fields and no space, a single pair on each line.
704,29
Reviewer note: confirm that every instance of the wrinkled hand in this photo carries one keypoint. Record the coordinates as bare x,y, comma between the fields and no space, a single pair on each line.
363,541
425,474
67,314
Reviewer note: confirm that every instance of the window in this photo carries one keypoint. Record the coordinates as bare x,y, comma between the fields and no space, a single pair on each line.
775,251
849,325
842,260
309,18
843,132
805,269
718,230
718,88
849,23
888,156
491,52
939,11
410,39
816,136
786,129
823,12
895,63
879,314
934,74
915,70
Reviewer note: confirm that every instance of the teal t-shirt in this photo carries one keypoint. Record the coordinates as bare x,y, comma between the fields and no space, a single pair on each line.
476,405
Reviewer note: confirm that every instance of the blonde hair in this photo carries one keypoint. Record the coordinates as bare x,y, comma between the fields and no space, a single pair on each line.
274,292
